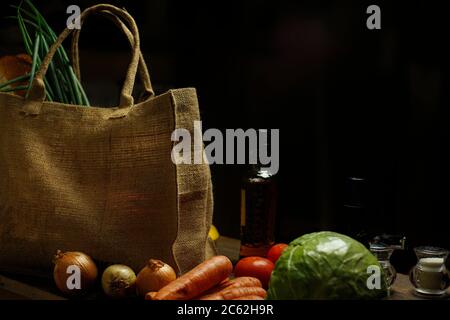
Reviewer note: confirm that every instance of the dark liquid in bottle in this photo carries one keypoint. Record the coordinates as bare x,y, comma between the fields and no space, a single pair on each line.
258,209
355,215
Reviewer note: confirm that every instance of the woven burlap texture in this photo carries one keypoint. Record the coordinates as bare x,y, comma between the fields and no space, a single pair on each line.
100,180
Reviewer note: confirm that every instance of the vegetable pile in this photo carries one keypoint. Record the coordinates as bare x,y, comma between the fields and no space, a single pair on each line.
324,265
209,281
157,280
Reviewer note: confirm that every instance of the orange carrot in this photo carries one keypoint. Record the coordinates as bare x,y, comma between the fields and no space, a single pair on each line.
234,283
150,295
223,284
200,279
224,281
233,293
249,298
240,282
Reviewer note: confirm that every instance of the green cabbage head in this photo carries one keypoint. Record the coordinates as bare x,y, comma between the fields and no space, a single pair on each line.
326,265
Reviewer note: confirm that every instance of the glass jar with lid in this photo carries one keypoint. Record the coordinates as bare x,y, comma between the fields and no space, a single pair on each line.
430,276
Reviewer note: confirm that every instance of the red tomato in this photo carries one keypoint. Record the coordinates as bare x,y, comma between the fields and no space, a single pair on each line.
276,251
257,267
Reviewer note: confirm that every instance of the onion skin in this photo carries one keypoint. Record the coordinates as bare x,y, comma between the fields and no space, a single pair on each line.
118,281
154,276
88,271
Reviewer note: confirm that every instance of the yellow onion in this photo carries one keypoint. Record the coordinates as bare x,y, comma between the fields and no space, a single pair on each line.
155,275
118,281
74,272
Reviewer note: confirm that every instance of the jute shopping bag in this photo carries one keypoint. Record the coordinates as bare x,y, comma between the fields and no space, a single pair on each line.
100,180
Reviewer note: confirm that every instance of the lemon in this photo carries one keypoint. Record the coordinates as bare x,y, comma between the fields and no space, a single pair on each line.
213,233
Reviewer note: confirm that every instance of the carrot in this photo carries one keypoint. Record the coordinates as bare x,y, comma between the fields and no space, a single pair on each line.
233,293
223,284
203,277
225,280
150,295
249,298
235,283
239,282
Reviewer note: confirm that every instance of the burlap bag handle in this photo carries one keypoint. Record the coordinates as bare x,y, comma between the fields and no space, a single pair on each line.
143,70
36,96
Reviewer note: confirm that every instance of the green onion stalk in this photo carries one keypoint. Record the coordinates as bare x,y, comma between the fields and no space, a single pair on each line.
61,83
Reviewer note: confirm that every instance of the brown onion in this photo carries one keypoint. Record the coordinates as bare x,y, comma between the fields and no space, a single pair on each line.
118,281
74,272
155,275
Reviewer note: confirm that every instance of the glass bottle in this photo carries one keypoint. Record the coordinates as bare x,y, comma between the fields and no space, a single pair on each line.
430,276
355,216
258,210
383,254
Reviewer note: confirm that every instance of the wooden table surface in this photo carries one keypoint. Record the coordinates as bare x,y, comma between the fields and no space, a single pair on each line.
19,288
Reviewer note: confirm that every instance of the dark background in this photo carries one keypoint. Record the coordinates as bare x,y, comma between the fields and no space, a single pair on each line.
348,101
